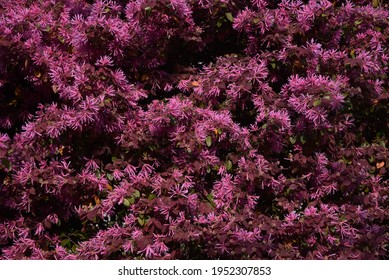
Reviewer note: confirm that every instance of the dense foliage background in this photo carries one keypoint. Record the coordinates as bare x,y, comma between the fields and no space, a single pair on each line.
182,129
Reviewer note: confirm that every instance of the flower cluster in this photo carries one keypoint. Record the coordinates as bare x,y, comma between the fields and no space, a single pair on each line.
182,129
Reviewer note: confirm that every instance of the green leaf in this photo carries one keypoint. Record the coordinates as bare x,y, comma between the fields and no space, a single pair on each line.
357,22
352,53
273,65
210,199
317,103
65,243
229,17
208,141
109,176
292,140
228,165
141,221
136,194
126,202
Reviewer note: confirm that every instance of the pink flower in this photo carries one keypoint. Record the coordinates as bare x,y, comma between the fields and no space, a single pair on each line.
3,139
148,252
310,211
39,229
129,246
160,248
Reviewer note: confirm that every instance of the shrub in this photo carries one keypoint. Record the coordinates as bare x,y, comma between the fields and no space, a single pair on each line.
180,129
